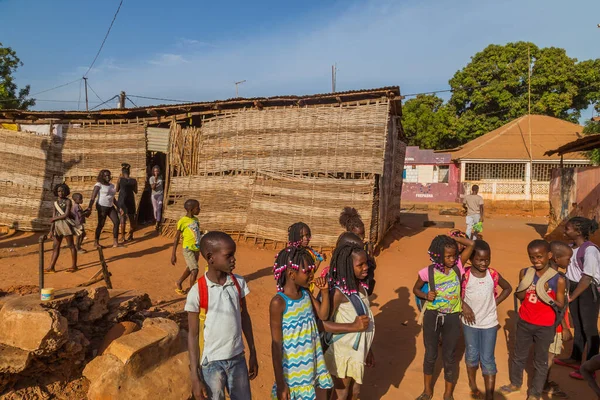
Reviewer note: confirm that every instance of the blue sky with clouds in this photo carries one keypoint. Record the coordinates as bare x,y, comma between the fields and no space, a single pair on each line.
194,50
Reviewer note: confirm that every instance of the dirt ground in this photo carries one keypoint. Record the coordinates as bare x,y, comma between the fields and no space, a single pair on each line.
145,265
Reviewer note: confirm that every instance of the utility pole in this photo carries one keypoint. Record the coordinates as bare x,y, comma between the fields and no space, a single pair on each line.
333,77
236,87
122,97
87,107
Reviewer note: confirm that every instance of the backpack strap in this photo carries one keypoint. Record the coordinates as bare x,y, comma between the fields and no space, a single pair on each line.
496,279
523,285
464,281
580,259
360,308
203,300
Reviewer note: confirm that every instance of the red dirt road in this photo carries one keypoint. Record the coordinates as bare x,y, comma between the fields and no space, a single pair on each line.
145,265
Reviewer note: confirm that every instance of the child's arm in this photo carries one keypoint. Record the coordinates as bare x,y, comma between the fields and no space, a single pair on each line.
506,289
429,296
175,244
469,246
198,386
521,295
583,284
247,329
276,310
560,292
360,324
321,307
66,215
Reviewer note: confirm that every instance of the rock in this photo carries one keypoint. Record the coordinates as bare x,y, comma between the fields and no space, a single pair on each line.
124,303
13,360
99,297
73,315
149,363
118,330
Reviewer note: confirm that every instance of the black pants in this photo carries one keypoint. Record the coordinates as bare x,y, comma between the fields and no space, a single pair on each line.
110,212
584,312
541,337
449,327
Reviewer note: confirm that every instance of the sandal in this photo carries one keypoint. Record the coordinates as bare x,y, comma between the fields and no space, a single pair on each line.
49,271
509,389
563,363
476,394
180,292
71,270
424,396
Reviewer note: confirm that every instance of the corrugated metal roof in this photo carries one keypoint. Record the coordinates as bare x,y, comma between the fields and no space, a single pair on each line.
587,143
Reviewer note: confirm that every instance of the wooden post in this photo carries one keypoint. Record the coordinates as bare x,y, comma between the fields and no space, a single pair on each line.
87,107
105,272
122,97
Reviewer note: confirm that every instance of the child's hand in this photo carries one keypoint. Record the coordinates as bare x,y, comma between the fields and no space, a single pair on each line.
321,283
173,259
283,393
468,314
370,361
431,295
567,335
252,366
361,323
199,389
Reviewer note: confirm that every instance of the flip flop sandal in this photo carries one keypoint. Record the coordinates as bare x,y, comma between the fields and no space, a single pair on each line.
71,270
180,292
424,396
476,394
509,389
49,271
565,364
577,375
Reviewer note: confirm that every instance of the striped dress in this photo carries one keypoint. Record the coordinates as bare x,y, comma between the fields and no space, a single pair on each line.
303,363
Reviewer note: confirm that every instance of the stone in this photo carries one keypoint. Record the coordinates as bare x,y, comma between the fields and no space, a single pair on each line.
118,330
73,315
13,360
25,324
99,297
125,303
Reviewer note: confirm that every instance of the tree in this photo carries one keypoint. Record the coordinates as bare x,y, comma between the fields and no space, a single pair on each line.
492,89
427,122
9,98
593,127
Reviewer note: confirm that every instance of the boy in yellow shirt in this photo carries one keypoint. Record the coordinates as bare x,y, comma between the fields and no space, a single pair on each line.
189,228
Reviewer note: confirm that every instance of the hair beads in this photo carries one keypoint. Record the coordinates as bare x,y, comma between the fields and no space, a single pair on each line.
341,271
291,257
436,251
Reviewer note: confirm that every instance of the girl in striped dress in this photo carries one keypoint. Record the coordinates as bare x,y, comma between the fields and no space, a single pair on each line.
300,371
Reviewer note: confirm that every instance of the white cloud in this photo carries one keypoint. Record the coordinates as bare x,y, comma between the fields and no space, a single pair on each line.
168,60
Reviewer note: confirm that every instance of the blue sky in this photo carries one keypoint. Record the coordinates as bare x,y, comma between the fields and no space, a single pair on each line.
194,50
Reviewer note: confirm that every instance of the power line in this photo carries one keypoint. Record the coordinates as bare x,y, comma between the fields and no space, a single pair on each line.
104,41
112,98
56,87
79,99
93,91
160,99
131,101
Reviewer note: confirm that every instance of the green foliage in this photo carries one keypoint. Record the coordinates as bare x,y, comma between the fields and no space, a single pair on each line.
492,89
9,97
592,127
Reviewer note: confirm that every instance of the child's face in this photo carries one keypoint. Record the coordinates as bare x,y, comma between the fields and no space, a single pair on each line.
449,257
155,172
571,232
563,259
303,276
196,209
304,237
359,263
481,260
223,259
539,257
61,192
78,200
359,231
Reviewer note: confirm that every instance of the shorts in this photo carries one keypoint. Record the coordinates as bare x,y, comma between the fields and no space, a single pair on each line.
557,345
191,258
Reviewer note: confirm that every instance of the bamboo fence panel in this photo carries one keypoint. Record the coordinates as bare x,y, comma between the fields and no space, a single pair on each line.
255,172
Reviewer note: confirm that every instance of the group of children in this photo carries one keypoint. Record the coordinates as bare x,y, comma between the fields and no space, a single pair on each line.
322,327
459,297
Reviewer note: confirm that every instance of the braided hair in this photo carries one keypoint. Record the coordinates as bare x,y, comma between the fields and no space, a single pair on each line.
64,187
585,226
293,257
341,270
350,219
295,233
436,251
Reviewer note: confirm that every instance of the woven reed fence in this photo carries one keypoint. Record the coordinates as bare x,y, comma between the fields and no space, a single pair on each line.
255,172
35,163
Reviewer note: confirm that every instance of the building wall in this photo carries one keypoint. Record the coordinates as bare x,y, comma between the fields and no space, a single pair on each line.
426,190
573,192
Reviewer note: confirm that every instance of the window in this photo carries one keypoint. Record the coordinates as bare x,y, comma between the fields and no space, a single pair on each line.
443,173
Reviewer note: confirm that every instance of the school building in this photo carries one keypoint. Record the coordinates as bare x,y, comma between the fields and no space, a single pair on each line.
509,164
429,177
256,165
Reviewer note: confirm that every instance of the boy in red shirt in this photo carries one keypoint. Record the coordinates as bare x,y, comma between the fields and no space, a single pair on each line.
536,319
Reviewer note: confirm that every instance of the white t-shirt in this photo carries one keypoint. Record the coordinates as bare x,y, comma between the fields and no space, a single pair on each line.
479,295
223,324
591,265
106,195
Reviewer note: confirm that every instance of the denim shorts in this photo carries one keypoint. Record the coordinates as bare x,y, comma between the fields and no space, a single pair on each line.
229,374
479,348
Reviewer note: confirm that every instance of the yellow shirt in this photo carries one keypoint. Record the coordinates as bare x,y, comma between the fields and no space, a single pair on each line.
190,230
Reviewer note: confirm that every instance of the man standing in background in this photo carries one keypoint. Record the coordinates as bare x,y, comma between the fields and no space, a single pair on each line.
473,204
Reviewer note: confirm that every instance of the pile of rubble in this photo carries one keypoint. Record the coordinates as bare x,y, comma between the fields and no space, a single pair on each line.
45,346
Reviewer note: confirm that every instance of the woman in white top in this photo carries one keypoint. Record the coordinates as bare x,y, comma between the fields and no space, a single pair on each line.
157,184
584,299
480,317
106,206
